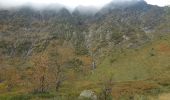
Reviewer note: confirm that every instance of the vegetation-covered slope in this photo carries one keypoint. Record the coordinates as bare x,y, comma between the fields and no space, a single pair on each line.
119,52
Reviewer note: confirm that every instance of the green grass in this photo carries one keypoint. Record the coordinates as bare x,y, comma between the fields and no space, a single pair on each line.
134,64
15,97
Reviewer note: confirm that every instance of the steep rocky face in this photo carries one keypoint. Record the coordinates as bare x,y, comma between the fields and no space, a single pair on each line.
127,24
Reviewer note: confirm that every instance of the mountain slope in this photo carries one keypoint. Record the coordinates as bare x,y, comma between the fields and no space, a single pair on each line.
124,47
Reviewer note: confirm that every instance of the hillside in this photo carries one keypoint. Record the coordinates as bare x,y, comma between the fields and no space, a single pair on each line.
121,52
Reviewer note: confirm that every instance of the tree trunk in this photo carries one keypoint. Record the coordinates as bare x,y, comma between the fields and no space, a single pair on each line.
42,84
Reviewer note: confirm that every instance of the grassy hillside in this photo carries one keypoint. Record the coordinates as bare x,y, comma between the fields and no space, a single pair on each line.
119,54
135,73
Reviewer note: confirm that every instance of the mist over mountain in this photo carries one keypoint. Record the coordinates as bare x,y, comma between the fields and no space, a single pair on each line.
42,5
79,9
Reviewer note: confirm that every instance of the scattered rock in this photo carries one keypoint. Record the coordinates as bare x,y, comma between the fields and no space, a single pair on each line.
88,94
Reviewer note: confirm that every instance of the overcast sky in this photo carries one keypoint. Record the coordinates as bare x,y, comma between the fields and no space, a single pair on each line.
73,3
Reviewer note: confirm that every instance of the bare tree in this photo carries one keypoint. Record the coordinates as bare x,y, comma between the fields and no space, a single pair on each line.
40,71
106,91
